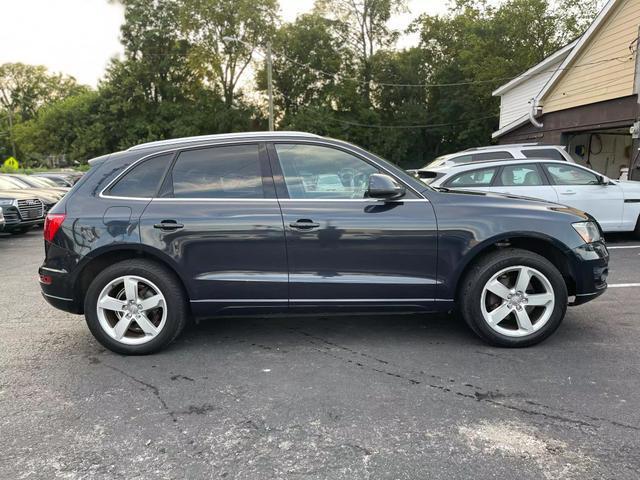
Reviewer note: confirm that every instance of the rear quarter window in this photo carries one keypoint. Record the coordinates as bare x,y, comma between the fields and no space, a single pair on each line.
143,180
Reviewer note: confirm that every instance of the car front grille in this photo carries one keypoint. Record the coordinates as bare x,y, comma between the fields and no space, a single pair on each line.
30,209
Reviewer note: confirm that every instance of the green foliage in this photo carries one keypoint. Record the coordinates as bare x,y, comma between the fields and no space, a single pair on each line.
335,73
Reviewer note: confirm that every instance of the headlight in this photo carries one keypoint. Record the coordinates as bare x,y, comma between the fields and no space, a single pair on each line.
6,201
589,231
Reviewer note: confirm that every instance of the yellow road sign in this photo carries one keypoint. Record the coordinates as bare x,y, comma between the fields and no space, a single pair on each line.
11,163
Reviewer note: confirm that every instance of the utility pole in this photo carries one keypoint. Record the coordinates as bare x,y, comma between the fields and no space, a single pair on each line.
270,85
634,164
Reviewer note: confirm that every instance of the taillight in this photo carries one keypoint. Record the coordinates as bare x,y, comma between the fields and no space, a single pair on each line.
52,223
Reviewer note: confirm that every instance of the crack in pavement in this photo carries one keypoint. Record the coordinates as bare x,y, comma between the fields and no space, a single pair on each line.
478,395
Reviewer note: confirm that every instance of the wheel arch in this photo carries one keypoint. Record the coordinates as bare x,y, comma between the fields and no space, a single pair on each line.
99,259
548,247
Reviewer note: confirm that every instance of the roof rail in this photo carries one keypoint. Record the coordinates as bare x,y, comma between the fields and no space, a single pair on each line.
220,136
503,145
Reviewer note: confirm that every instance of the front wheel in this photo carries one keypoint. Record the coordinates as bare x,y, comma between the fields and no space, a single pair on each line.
513,298
135,307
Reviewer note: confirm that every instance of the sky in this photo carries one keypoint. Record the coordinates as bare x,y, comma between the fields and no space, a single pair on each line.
79,37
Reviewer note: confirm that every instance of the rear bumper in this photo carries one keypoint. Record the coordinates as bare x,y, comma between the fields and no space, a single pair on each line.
57,290
590,272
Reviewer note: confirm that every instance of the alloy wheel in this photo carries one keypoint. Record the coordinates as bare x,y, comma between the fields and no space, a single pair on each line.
517,301
131,310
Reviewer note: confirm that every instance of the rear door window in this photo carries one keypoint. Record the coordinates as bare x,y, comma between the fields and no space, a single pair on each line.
143,180
475,178
521,176
218,172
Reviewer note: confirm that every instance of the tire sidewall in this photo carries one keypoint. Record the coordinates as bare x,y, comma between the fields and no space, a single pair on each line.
161,279
473,299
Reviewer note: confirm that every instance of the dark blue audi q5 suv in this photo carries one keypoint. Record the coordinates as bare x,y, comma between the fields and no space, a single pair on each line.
277,223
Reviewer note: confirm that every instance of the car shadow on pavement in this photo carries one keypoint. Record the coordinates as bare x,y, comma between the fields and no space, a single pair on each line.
293,330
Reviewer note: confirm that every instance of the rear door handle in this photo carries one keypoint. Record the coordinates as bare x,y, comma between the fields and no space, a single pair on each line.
304,224
568,192
168,225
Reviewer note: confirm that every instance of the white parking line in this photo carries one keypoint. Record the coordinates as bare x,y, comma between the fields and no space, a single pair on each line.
623,246
623,285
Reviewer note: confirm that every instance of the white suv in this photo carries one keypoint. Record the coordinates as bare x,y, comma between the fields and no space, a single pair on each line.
502,152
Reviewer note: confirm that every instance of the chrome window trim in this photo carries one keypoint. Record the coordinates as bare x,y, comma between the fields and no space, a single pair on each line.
229,141
323,300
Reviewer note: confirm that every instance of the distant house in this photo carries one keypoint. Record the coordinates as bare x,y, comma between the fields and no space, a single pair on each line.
584,96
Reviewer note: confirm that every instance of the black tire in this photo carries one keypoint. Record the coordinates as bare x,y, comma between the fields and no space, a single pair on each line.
473,284
636,232
169,286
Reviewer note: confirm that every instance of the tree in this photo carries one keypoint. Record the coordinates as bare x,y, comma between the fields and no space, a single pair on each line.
209,26
26,88
363,29
306,63
477,47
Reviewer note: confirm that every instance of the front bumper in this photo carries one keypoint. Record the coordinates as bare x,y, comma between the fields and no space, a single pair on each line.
590,272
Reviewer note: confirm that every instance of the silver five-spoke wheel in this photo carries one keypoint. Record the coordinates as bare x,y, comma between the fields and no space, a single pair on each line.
131,310
517,301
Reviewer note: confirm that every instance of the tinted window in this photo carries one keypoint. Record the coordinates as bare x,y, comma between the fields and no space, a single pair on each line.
479,157
219,172
546,153
143,180
521,175
475,178
311,171
570,175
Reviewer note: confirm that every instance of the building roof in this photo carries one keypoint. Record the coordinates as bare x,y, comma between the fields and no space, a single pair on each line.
559,55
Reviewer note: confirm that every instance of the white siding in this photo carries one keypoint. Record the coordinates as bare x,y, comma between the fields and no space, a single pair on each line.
515,103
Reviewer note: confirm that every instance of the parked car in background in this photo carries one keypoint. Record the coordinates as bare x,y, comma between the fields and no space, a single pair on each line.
49,197
615,204
282,222
62,179
36,182
21,210
498,152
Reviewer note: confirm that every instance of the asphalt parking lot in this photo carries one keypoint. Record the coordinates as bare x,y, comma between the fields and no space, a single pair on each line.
393,397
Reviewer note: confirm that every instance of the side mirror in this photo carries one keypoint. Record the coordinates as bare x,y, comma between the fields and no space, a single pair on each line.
602,180
384,187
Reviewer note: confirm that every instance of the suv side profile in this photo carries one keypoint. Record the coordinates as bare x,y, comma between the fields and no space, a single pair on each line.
289,223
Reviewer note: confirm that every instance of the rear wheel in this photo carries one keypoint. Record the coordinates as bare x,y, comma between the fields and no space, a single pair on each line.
135,307
513,298
636,232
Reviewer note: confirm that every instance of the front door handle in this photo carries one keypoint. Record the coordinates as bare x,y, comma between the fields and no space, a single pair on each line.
304,224
568,192
168,225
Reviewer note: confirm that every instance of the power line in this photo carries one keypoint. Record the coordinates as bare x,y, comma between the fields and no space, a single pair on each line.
452,84
385,127
337,75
